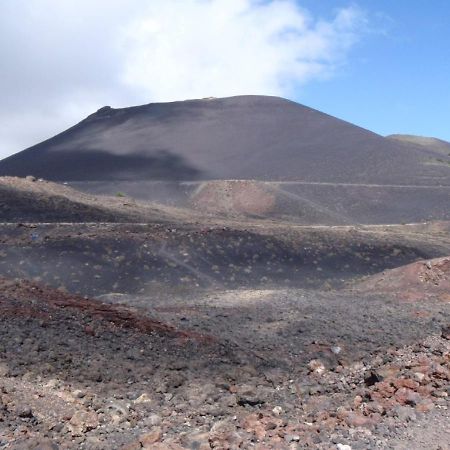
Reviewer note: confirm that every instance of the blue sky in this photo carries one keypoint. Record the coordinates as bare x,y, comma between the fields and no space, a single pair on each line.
381,64
397,77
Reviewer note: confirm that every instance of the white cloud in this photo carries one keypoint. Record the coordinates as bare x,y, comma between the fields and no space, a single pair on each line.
192,48
62,60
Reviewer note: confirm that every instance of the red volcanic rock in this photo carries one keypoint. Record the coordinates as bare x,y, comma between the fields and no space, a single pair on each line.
235,197
406,396
355,419
147,440
406,383
414,281
253,424
19,299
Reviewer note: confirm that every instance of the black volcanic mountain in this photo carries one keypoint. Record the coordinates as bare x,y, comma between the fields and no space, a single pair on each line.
245,137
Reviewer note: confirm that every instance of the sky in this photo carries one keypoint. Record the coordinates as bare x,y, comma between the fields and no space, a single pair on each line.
383,65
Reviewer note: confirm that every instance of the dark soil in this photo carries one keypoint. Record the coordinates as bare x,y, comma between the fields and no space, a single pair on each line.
96,259
37,200
265,370
201,332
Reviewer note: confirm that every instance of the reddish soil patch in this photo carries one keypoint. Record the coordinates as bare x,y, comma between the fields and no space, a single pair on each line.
236,196
29,299
414,281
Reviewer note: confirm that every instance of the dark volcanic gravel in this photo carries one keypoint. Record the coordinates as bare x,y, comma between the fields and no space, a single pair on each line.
221,337
75,374
95,259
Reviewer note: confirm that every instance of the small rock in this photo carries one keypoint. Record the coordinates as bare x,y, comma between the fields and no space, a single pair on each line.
135,445
291,437
252,424
419,377
405,413
168,396
83,421
95,376
148,439
196,441
4,370
52,383
354,419
175,380
247,395
316,366
88,329
277,410
372,378
223,434
24,412
406,396
78,393
357,401
154,420
144,398
424,406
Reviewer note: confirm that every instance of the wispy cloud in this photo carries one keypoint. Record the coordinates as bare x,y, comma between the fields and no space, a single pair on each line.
61,60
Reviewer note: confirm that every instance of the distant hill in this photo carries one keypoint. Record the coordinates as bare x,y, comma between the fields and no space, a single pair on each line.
243,138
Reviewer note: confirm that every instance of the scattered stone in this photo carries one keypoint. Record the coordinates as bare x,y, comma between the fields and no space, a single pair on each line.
77,393
198,441
445,333
343,447
248,395
24,411
419,376
405,413
150,438
143,398
336,349
277,410
425,405
233,399
4,370
355,419
83,421
316,366
373,377
154,420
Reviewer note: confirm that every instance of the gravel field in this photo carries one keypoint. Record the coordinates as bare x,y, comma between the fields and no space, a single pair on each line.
222,334
234,369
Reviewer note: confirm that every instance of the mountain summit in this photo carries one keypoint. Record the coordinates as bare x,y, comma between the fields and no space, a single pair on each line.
244,137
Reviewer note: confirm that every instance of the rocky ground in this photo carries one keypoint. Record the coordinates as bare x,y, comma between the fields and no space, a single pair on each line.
263,370
94,259
223,334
